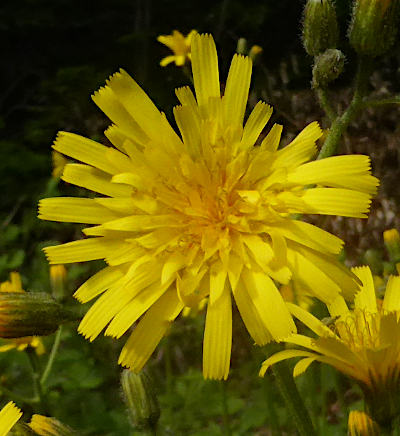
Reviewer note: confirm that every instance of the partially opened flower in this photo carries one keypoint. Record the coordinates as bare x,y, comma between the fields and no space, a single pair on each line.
15,285
203,214
360,424
9,416
364,344
180,45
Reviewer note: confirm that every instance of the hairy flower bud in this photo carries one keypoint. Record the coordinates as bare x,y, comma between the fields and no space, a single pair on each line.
373,26
29,314
327,68
320,27
140,398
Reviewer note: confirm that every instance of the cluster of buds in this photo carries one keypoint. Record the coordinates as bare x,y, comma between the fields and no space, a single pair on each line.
371,33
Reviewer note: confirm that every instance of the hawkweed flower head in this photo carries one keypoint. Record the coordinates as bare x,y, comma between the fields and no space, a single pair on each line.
180,45
14,285
9,416
47,426
361,424
207,213
363,343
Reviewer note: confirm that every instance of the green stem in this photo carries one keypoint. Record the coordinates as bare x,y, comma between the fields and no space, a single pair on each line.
37,388
52,356
293,400
325,104
14,396
225,411
382,101
340,123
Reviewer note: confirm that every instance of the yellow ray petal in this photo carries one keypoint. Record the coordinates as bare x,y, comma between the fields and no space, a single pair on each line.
391,301
205,68
365,298
301,149
9,415
348,171
149,331
75,210
84,150
255,123
303,365
309,320
250,316
108,102
271,141
218,337
94,180
237,89
132,311
98,283
336,201
81,250
282,355
310,236
269,304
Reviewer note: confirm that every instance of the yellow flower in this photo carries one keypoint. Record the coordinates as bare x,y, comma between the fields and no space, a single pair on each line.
45,426
9,415
15,285
360,424
204,214
180,45
364,344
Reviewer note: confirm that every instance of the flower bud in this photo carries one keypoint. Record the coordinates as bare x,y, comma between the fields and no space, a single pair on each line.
327,68
320,27
45,426
29,314
373,26
140,398
392,243
241,46
58,276
360,424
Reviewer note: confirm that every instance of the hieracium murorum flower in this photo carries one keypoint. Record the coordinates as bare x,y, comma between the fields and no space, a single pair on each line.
207,213
180,45
364,344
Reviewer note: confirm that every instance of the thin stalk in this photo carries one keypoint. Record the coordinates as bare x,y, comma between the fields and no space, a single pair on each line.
340,123
324,102
292,398
37,387
52,356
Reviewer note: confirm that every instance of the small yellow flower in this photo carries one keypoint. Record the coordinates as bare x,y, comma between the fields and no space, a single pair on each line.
364,343
202,214
9,415
180,45
45,426
360,424
15,285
